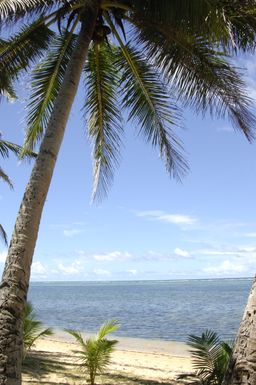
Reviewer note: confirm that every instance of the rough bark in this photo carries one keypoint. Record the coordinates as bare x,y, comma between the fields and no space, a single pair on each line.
15,281
242,367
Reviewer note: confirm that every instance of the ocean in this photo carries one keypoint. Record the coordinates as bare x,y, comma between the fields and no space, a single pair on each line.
166,310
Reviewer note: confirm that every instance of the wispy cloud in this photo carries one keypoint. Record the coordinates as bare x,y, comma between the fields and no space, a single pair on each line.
121,256
3,255
102,272
249,63
225,128
182,253
74,268
72,232
226,268
132,271
161,216
38,271
107,256
250,235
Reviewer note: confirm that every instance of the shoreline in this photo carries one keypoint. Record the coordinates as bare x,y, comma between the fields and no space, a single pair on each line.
134,362
132,344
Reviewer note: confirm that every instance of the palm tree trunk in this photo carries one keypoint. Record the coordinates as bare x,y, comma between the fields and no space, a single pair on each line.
242,366
15,281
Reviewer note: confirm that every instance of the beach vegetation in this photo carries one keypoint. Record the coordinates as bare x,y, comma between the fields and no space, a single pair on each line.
32,329
6,148
210,357
94,354
148,58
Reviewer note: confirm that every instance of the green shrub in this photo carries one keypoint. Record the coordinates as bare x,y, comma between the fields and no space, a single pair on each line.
95,353
210,356
32,329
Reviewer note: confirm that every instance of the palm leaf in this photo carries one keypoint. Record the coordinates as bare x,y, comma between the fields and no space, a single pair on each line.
6,147
173,12
147,99
17,53
6,89
239,19
5,178
46,81
205,350
3,235
77,335
12,10
103,115
201,75
210,358
95,353
227,23
32,329
107,328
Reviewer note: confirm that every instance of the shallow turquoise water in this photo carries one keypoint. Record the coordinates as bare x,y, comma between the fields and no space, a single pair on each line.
168,310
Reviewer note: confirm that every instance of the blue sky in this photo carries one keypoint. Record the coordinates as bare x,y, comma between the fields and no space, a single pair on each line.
149,227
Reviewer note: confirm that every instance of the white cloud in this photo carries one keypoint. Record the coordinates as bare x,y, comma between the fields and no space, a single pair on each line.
132,271
249,64
225,128
101,272
112,256
38,269
250,235
72,232
246,253
3,255
177,219
226,268
181,253
115,255
76,267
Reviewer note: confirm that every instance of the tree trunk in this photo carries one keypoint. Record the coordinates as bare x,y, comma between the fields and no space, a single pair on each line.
15,281
242,366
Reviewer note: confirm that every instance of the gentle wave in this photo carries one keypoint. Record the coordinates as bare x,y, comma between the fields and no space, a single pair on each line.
167,310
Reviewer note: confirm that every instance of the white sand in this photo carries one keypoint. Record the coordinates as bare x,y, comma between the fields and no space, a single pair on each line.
146,359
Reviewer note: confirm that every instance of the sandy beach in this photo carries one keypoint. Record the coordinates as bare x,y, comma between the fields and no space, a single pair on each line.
139,361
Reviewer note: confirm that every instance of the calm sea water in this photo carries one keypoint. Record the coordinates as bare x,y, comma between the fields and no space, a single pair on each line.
168,310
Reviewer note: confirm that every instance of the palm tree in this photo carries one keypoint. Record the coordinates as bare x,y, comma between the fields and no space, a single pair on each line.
241,368
5,148
32,329
95,353
178,51
210,357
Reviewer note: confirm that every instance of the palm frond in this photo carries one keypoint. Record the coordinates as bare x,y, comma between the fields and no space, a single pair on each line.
3,235
77,335
146,98
47,78
21,50
205,350
32,329
103,115
173,12
13,10
202,76
230,24
107,328
95,353
6,147
6,89
5,178
210,358
239,17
